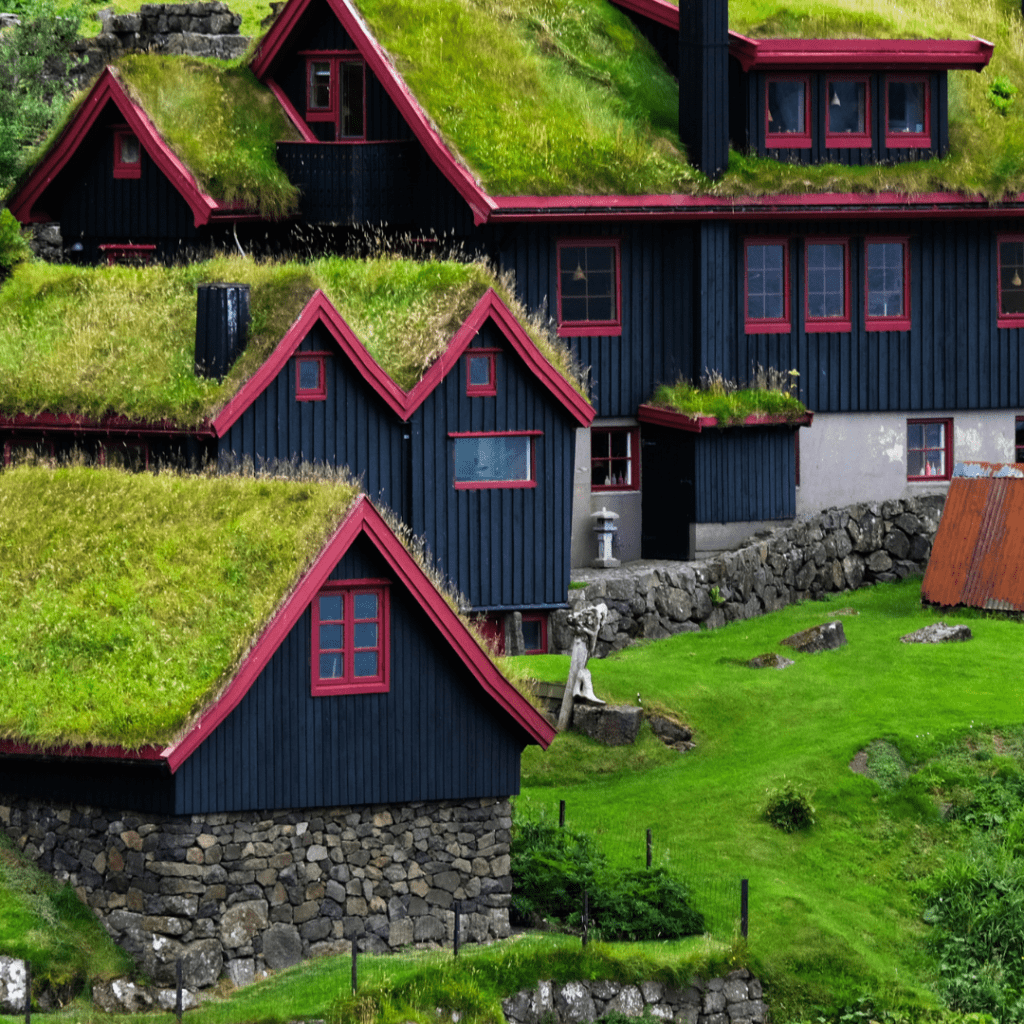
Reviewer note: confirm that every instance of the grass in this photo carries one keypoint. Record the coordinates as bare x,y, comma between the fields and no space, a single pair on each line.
100,340
727,402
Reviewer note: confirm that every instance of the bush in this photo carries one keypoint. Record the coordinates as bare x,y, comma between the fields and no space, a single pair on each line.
13,243
643,904
789,808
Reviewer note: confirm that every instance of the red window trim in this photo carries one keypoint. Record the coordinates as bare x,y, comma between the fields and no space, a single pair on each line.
1018,430
590,328
888,323
117,252
833,324
788,140
491,387
123,169
909,140
27,441
1005,319
849,140
331,113
542,618
319,393
633,458
754,325
485,485
381,683
947,449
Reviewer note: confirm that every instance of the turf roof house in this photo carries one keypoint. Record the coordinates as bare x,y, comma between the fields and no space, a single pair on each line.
267,786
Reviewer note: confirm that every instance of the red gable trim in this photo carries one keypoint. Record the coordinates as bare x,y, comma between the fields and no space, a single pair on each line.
380,64
657,10
107,89
109,753
860,54
319,309
660,417
363,519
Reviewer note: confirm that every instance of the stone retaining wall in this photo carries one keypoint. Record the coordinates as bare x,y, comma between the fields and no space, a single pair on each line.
838,549
733,999
244,892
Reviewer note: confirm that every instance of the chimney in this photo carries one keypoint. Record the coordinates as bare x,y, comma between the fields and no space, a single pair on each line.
704,83
222,323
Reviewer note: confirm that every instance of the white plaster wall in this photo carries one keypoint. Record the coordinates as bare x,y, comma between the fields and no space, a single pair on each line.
851,457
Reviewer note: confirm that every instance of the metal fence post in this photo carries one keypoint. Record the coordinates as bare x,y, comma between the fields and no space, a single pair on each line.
355,955
177,997
586,915
561,814
744,906
28,993
458,911
648,847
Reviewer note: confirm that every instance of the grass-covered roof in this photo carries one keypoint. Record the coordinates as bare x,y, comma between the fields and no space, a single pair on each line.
127,601
120,340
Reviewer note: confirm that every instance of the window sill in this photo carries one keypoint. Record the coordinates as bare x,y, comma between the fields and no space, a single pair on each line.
490,485
768,327
339,689
908,140
837,326
890,323
588,330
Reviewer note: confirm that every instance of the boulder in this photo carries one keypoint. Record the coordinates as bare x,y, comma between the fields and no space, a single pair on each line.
939,633
282,946
825,637
12,985
669,731
121,996
770,660
613,726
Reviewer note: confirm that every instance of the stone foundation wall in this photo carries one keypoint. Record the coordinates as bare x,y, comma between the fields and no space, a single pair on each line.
244,892
838,549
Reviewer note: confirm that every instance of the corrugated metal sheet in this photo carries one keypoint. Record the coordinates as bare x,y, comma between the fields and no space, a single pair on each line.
978,554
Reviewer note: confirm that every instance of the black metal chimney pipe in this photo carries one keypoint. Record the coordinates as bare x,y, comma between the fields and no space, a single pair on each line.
222,325
704,83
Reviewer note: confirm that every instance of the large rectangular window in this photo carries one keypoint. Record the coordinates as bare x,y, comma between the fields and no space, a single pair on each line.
907,120
929,449
887,284
1011,281
614,458
787,113
766,286
350,638
827,293
847,117
494,460
336,93
588,288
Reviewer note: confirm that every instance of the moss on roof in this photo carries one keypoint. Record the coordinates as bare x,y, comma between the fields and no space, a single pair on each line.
127,601
119,340
768,395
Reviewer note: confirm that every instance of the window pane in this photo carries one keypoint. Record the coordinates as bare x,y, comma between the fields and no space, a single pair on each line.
309,374
364,634
826,293
1019,439
332,637
906,107
129,149
364,664
915,463
480,371
492,459
330,607
587,283
320,85
785,107
532,634
332,666
765,282
364,606
351,99
1011,277
846,107
885,279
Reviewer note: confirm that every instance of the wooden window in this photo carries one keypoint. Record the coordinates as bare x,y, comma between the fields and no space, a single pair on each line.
129,455
787,113
18,450
614,459
826,291
336,93
929,449
310,378
485,460
1018,439
887,284
480,372
128,254
351,638
907,112
589,279
127,154
535,633
847,115
766,286
1011,281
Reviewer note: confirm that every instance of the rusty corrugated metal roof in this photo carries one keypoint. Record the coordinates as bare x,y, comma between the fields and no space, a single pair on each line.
977,557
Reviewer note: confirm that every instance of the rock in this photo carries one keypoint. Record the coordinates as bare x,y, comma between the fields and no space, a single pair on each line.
167,999
938,633
629,1002
613,726
120,996
668,731
242,921
574,1003
241,972
825,637
282,946
12,985
770,660
201,963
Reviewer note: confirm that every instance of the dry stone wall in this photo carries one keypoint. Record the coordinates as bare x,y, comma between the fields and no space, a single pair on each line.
238,893
835,550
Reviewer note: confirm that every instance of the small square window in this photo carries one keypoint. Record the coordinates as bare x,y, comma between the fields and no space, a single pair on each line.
1011,281
787,113
848,121
336,94
907,114
766,293
827,293
350,645
127,155
929,449
1018,439
480,372
588,288
310,379
614,459
535,633
494,460
887,284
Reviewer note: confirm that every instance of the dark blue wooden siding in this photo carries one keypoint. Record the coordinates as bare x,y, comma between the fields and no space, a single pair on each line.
503,547
434,736
353,427
704,67
953,357
659,267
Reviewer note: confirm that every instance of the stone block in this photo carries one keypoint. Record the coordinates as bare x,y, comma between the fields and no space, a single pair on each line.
282,946
242,922
611,725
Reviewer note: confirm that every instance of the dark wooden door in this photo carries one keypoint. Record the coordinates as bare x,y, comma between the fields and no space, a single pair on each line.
667,504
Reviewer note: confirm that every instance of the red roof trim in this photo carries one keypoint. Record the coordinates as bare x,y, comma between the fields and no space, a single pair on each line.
861,54
660,417
657,10
362,519
108,89
404,404
109,753
106,425
380,64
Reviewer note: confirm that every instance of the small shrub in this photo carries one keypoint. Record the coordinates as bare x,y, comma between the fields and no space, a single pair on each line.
13,243
1001,92
643,904
789,808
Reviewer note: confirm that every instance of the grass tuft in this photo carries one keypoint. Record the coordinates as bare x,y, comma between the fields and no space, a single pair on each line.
769,394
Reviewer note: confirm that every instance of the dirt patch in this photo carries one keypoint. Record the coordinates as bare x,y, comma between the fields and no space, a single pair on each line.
859,764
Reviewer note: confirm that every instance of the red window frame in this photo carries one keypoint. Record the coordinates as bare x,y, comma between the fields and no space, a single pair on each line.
767,325
787,140
838,322
348,682
909,140
541,619
1004,280
631,459
848,140
477,485
319,393
126,169
886,322
490,388
42,446
946,448
569,328
1018,439
332,112
128,254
